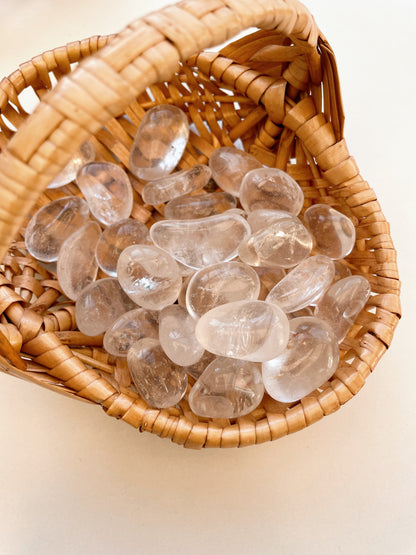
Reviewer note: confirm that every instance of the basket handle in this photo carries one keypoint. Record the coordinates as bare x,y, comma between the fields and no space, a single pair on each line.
102,86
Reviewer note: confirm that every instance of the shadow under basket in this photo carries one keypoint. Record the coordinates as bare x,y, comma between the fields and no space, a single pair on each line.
275,92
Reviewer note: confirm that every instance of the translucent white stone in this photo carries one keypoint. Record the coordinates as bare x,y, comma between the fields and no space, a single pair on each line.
334,233
129,328
342,303
268,279
195,370
310,359
175,185
99,305
228,388
149,276
247,330
304,284
219,284
51,226
199,206
107,189
202,242
115,239
270,188
263,217
177,336
229,165
307,311
284,244
77,266
159,381
160,142
85,154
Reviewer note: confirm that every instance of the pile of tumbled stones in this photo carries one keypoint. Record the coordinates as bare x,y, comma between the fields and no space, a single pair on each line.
231,288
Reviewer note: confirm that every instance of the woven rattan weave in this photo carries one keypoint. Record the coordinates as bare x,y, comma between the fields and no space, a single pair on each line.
277,91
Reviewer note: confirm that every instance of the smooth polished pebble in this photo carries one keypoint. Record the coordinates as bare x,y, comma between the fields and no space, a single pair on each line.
107,189
129,328
310,359
304,284
176,184
83,156
283,244
220,284
263,217
228,388
247,330
333,232
51,226
149,276
189,207
77,266
229,165
342,303
270,188
159,381
99,305
177,336
201,242
195,370
115,239
159,143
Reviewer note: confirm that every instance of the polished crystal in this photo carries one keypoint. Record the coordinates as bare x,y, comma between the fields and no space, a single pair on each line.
248,330
159,381
219,284
270,188
189,207
115,239
228,388
177,336
129,328
149,276
77,266
83,156
310,359
51,226
229,165
201,242
176,184
160,142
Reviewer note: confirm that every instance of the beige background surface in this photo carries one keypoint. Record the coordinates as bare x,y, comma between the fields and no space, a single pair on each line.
75,481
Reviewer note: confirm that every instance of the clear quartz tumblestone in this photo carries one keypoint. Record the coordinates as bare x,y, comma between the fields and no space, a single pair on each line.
51,226
304,284
342,303
177,336
247,330
149,276
195,370
219,284
263,217
159,381
270,188
189,207
229,165
176,184
77,266
83,156
284,244
310,359
228,388
160,142
128,329
201,242
334,233
115,239
99,305
107,189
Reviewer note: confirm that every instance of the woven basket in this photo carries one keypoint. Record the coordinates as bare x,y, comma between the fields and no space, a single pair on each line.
277,91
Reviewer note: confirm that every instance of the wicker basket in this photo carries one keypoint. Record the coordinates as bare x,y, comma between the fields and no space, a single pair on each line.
277,91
